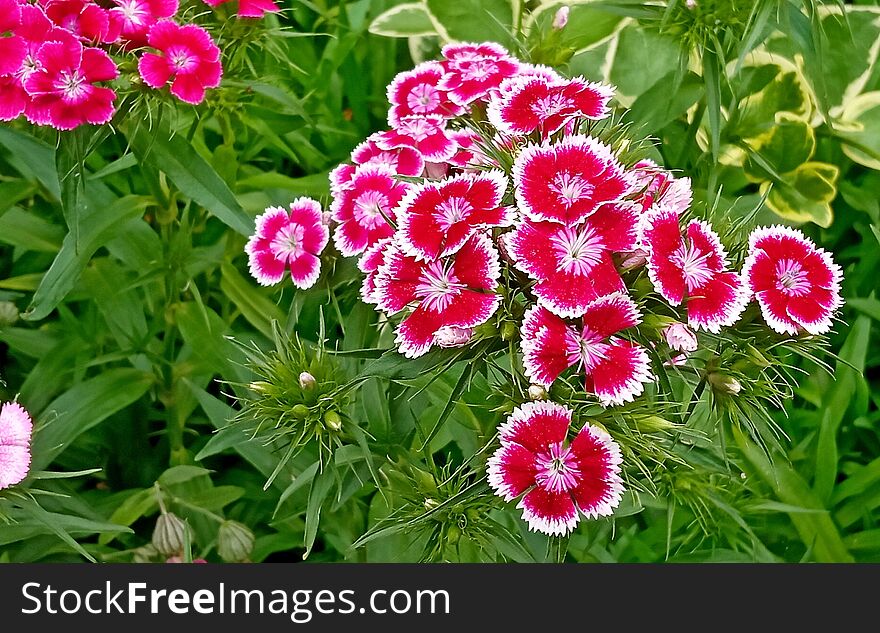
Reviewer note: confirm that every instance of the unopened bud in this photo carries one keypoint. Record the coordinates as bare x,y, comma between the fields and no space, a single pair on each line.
508,330
8,313
680,337
259,386
690,4
333,421
169,534
430,504
724,383
634,259
299,411
306,381
451,336
537,392
561,18
235,542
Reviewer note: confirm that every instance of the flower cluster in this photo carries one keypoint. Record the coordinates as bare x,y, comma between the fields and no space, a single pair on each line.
57,57
494,190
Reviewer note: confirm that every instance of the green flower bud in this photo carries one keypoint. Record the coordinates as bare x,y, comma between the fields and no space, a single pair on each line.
299,411
332,421
537,392
722,383
508,330
235,542
169,534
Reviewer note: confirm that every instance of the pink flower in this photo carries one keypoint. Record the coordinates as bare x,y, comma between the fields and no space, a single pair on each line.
425,134
528,103
290,240
561,17
560,480
12,46
692,266
403,161
660,189
137,16
568,181
364,208
189,59
415,92
250,8
680,337
615,369
458,291
797,285
84,19
15,438
63,90
436,218
573,264
451,336
468,153
369,264
473,70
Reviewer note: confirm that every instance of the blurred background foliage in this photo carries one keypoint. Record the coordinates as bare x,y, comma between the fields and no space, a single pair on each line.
130,329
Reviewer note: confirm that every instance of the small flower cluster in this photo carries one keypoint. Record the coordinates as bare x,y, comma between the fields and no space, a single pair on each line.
490,189
55,61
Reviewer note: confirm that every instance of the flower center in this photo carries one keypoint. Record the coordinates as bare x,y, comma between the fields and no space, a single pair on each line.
551,104
693,264
72,86
369,208
437,287
557,469
28,66
133,12
423,98
570,188
477,69
288,242
586,349
452,211
791,278
578,251
416,129
182,60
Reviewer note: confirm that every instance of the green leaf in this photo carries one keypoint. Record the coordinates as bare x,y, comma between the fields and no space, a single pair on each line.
859,128
805,194
255,307
474,20
321,486
586,25
84,406
786,92
32,158
659,105
190,173
99,225
135,506
29,231
712,80
641,58
410,19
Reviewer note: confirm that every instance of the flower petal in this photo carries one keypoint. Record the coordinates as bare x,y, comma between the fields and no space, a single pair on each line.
620,376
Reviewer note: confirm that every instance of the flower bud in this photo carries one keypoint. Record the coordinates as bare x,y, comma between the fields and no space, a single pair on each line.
561,18
508,330
724,383
451,336
690,4
537,392
8,313
307,382
299,411
430,504
235,542
633,259
680,337
332,421
169,534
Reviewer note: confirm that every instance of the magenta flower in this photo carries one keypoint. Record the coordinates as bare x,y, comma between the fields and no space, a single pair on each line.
693,266
13,48
250,8
288,240
403,161
83,18
436,218
457,291
473,70
189,59
426,134
615,369
364,208
796,284
63,90
369,264
568,181
561,481
528,103
468,154
136,17
415,92
15,437
573,264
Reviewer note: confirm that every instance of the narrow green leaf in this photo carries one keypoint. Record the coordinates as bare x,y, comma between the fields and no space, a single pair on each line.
32,157
321,487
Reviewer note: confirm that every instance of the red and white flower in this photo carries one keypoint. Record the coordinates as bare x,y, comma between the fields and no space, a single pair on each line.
528,103
469,153
473,70
288,240
364,208
796,284
616,369
425,134
573,265
560,481
567,181
415,92
457,291
369,264
403,161
15,439
693,266
436,218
